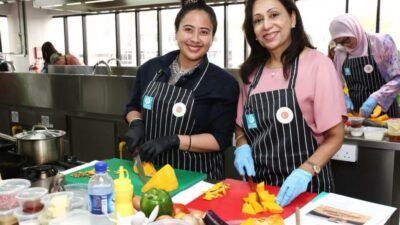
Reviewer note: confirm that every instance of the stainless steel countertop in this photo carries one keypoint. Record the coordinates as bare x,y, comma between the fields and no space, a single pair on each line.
385,144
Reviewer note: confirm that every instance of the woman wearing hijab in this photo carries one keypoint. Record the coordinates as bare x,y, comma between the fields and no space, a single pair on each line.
183,107
369,64
289,118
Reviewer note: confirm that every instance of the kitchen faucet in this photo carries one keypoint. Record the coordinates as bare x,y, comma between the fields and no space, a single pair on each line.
9,64
99,63
119,62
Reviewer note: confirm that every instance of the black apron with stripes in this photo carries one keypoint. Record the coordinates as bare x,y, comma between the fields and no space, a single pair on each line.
363,78
158,113
280,147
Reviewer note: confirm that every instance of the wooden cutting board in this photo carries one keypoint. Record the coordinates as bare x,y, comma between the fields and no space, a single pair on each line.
229,207
185,178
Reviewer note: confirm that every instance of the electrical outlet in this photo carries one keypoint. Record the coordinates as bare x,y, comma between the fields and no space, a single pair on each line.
348,153
14,117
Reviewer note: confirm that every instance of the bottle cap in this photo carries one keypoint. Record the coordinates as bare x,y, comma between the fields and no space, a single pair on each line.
100,166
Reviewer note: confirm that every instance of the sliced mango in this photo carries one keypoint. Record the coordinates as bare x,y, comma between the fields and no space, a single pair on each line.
260,201
377,111
257,207
260,187
164,179
247,208
272,207
216,191
148,168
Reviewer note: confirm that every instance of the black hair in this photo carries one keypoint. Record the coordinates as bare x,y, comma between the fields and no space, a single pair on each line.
190,5
47,50
259,54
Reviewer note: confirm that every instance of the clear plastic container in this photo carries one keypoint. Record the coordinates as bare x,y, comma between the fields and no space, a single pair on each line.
7,217
374,133
81,217
29,199
356,122
394,129
57,204
9,189
101,190
169,222
26,218
81,195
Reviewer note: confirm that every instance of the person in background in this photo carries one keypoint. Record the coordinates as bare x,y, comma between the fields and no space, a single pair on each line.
331,50
52,57
369,64
183,107
290,112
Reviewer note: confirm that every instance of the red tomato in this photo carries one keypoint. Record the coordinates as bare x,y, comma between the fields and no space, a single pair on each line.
178,207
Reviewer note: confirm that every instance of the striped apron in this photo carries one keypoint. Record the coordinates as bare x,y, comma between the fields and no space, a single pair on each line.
279,136
363,78
168,110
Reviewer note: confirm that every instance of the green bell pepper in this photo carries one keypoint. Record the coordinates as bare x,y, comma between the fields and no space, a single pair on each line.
154,197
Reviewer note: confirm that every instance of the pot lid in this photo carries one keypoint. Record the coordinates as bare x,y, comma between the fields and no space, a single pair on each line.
39,134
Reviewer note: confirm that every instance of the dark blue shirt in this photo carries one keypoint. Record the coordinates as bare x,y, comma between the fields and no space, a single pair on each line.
215,98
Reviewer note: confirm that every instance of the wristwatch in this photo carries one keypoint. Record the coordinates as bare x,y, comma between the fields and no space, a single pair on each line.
314,166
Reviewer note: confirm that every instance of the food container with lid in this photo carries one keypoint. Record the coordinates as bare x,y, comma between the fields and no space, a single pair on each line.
56,204
29,199
9,189
26,218
7,217
81,217
374,133
356,128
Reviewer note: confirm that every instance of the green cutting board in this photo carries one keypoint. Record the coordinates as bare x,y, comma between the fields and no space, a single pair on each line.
185,178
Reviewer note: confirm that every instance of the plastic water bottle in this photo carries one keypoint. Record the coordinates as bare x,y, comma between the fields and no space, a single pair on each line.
101,190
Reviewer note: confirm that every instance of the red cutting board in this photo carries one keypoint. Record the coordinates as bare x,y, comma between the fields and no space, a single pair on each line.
229,207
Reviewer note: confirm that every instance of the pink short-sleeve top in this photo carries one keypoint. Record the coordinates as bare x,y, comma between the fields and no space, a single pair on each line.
319,92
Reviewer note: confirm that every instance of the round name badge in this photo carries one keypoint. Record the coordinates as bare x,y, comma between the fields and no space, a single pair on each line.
179,109
368,68
284,115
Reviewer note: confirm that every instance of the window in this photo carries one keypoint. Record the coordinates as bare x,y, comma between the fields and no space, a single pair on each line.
318,29
5,43
235,35
389,19
128,38
365,11
168,30
216,52
75,37
100,37
56,34
148,35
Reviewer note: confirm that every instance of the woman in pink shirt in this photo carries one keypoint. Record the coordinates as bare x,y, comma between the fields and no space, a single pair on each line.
370,65
291,108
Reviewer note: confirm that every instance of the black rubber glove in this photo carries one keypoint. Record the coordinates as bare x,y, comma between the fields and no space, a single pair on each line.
151,149
134,135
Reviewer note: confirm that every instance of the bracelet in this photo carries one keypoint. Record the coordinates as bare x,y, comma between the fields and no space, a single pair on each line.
190,143
238,137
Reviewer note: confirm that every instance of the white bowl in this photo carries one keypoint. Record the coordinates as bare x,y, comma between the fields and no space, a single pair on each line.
374,133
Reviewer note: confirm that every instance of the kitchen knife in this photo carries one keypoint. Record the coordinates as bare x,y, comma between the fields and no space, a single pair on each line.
249,181
136,157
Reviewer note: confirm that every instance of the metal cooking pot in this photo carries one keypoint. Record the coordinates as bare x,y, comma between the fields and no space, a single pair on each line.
41,146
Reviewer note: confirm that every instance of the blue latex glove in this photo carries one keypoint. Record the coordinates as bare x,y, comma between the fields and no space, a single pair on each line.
349,103
295,184
244,160
368,106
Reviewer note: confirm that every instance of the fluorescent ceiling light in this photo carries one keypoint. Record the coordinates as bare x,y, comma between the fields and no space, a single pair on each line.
97,1
51,6
74,3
